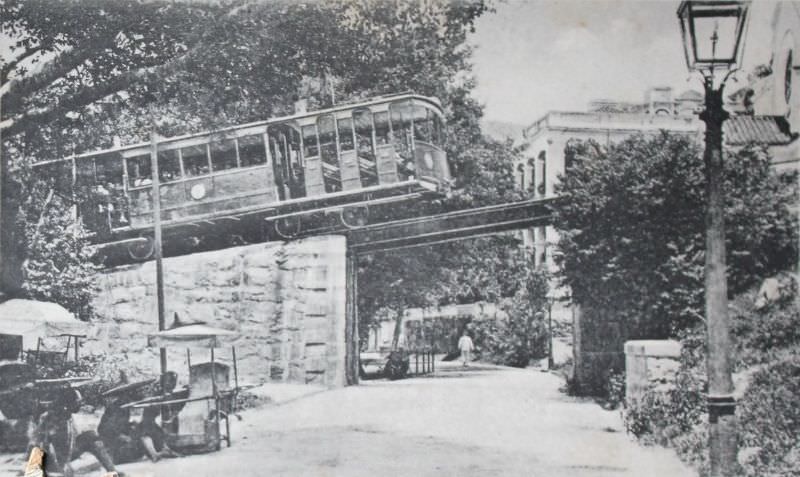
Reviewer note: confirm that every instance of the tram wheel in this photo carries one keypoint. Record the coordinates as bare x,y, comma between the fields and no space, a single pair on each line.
354,217
142,248
288,227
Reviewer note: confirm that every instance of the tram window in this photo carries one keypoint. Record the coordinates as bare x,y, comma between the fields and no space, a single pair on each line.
139,171
84,170
293,146
295,160
363,126
401,124
277,147
195,160
362,120
345,134
327,150
109,170
251,150
310,146
402,131
57,175
111,203
169,167
223,155
327,138
382,131
423,124
438,130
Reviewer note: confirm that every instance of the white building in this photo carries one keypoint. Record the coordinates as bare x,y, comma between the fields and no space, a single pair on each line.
773,73
606,122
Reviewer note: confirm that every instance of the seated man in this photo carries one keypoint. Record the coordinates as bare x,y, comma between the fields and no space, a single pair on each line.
148,432
117,432
55,432
128,441
152,437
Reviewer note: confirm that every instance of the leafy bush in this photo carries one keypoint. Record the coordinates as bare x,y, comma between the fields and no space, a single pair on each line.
769,419
763,334
632,224
615,390
523,335
768,416
661,416
58,265
692,447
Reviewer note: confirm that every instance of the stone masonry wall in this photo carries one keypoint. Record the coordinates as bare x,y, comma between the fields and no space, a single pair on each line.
286,301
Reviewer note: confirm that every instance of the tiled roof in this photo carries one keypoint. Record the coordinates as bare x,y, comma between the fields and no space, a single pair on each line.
744,129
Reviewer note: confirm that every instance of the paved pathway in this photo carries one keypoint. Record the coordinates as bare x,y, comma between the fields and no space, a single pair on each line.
483,421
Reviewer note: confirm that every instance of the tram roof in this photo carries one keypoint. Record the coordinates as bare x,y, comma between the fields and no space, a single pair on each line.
390,98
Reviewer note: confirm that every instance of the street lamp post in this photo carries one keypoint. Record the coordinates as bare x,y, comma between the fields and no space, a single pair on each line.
712,36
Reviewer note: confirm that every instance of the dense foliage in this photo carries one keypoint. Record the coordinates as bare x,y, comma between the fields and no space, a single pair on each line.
522,335
632,227
770,420
84,73
768,373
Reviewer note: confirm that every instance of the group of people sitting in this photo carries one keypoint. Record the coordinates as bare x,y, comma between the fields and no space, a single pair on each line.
118,438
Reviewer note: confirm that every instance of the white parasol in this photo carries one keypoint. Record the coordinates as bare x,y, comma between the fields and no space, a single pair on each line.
197,335
38,319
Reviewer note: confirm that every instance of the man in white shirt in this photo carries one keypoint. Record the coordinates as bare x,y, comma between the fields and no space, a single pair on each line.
466,346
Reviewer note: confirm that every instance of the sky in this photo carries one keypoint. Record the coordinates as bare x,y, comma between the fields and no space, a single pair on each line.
535,56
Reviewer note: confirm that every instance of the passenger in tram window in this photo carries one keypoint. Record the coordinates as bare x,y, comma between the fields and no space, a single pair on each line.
195,160
139,171
251,150
142,181
382,132
223,155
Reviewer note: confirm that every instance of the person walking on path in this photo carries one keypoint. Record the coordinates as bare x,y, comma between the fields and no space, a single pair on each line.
466,346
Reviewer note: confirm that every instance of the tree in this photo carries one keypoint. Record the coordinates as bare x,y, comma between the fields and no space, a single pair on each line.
120,69
522,335
631,227
68,60
483,269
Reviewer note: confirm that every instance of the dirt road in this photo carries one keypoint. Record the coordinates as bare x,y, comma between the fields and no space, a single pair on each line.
484,421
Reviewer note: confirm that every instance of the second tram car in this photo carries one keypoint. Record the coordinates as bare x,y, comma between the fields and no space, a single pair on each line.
386,148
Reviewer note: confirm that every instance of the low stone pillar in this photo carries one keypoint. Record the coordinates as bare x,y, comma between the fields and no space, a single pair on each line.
597,348
648,363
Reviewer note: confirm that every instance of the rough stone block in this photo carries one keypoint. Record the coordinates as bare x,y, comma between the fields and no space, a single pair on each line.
260,276
255,289
317,330
316,378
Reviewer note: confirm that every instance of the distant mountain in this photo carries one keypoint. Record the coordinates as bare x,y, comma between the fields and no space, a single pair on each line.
501,130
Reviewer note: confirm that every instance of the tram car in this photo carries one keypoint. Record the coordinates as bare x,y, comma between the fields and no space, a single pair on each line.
381,150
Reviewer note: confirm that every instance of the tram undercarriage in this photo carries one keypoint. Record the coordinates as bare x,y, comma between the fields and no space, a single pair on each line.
331,214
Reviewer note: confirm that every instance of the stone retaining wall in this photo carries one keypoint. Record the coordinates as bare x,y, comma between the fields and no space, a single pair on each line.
287,302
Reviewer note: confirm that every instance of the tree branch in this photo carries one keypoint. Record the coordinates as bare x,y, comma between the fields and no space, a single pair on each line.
13,126
52,71
12,65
